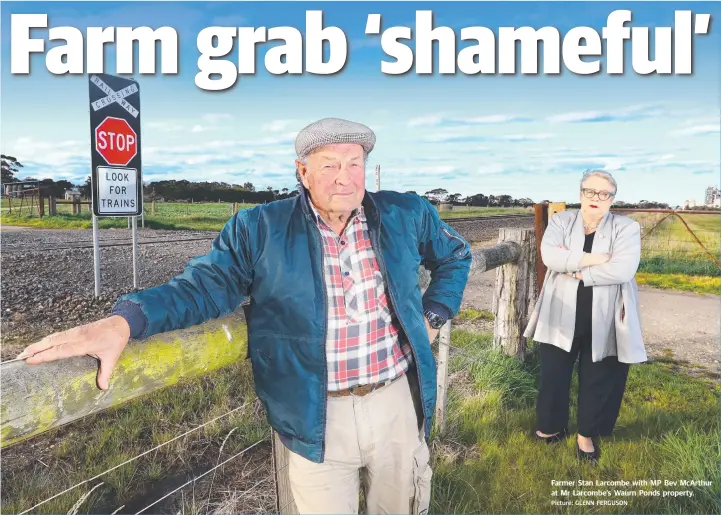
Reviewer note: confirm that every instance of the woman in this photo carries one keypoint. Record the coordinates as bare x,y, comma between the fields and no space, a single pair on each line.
587,308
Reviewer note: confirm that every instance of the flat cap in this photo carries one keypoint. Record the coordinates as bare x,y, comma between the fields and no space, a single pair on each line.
330,131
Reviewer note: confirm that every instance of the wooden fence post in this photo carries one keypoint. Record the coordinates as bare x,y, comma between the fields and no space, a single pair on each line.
444,342
284,496
515,293
52,205
555,207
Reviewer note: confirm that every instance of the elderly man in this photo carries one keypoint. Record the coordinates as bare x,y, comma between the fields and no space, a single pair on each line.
338,331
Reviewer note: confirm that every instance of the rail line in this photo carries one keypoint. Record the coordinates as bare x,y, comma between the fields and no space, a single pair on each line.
27,248
157,240
453,220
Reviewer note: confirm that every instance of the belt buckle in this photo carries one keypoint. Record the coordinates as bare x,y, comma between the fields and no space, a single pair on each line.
352,390
369,388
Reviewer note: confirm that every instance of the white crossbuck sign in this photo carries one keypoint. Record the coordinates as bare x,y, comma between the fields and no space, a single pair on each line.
114,96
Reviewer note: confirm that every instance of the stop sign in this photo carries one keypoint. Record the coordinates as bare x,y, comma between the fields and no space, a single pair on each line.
116,141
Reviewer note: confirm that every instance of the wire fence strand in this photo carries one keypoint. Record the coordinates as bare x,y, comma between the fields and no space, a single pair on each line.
136,457
240,453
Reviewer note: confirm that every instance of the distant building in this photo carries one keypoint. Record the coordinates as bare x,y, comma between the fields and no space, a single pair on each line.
72,195
689,204
712,197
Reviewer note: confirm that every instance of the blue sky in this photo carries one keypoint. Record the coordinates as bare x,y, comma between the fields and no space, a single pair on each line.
526,136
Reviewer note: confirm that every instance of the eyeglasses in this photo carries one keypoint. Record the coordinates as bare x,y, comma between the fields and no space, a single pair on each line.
602,195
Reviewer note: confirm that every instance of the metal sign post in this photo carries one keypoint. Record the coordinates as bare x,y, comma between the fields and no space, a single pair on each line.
135,252
96,254
116,164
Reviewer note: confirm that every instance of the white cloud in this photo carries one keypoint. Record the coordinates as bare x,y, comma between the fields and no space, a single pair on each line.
491,168
176,126
631,113
428,120
698,130
57,159
463,137
276,125
419,171
525,137
439,119
166,126
46,153
216,117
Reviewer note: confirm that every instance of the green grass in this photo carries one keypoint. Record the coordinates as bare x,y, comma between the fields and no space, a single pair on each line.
681,282
463,211
210,216
66,456
474,315
487,462
484,463
84,221
679,264
669,247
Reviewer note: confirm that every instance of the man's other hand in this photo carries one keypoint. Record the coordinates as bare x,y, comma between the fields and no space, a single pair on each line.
103,340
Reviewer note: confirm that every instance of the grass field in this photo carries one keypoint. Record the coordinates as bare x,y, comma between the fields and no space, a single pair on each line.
682,282
671,257
485,463
669,247
209,216
67,456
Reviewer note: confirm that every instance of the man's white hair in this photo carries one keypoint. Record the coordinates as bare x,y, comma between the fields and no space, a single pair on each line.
602,174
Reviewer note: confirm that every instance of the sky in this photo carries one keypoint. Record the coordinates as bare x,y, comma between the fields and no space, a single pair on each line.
528,136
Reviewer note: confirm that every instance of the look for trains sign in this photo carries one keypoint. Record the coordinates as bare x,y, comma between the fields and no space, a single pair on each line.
115,150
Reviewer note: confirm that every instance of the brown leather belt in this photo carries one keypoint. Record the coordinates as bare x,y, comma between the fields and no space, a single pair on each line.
362,389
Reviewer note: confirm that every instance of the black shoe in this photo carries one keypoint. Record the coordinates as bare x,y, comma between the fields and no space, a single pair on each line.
558,437
588,456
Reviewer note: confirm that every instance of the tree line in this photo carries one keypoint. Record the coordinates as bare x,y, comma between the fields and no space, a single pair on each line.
189,191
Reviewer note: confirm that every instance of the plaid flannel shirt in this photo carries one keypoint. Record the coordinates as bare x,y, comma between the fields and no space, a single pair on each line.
364,344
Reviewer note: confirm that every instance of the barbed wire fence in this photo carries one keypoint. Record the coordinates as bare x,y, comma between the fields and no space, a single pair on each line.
151,450
679,243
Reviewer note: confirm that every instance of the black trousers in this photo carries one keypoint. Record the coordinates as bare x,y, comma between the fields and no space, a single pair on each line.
600,389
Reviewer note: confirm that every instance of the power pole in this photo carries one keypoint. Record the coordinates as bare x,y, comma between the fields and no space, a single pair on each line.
378,177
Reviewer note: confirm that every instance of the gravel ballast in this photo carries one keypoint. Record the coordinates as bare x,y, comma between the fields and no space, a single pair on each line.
44,291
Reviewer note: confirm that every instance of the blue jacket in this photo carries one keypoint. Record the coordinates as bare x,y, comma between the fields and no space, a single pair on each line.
272,253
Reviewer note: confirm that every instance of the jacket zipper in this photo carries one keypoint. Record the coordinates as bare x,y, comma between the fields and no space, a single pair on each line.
325,343
400,320
455,237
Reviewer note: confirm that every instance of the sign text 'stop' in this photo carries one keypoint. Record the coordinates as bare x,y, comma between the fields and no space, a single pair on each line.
116,141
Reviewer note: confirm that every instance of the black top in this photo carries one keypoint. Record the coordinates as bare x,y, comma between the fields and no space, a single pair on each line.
584,301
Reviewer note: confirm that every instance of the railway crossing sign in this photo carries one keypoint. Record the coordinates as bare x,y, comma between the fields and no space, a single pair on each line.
116,174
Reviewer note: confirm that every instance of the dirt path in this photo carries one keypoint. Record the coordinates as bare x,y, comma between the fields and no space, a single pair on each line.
679,325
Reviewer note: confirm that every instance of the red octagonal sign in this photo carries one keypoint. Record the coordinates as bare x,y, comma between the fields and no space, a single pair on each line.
116,141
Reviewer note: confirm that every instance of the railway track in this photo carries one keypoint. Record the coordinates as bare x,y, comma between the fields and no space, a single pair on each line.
451,221
157,240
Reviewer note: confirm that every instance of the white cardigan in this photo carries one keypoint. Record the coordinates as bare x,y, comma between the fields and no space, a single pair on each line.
616,323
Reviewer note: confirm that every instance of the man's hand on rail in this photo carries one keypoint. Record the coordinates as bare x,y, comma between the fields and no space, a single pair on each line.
103,340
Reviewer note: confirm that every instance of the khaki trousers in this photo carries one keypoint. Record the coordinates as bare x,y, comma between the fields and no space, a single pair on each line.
374,438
